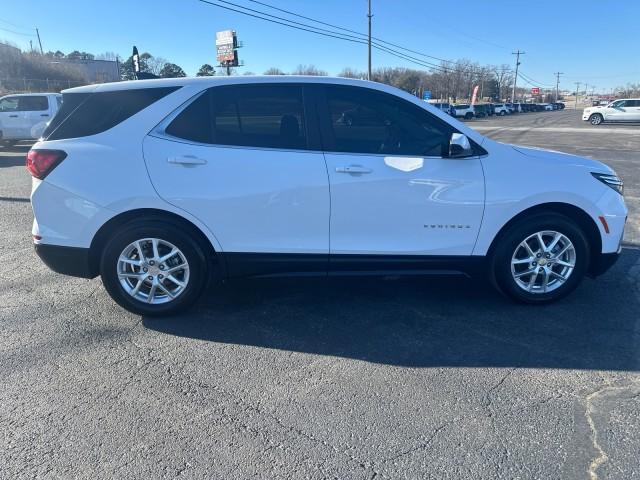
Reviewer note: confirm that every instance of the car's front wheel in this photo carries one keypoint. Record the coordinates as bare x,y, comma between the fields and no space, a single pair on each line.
468,115
596,119
541,259
153,268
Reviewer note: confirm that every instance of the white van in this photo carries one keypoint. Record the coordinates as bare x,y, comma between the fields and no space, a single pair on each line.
25,116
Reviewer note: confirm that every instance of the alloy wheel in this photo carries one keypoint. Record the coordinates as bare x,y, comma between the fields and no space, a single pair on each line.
153,271
543,262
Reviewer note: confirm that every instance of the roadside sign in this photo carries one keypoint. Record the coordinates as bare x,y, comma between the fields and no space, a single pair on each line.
426,95
535,91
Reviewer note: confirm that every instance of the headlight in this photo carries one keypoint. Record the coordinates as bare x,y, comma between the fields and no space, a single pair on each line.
610,180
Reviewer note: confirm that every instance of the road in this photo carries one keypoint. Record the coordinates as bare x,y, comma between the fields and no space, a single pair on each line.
359,378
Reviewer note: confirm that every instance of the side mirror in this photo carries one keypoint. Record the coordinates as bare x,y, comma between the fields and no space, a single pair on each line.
459,146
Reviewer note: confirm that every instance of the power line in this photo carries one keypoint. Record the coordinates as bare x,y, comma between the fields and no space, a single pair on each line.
323,32
21,27
289,12
17,33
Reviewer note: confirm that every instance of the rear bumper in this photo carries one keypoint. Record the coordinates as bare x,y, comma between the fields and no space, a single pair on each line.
603,262
73,261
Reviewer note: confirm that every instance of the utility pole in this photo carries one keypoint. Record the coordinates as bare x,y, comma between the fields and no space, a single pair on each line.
40,42
577,88
557,74
515,79
369,43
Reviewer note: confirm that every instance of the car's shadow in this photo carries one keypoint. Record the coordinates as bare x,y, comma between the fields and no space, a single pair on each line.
428,322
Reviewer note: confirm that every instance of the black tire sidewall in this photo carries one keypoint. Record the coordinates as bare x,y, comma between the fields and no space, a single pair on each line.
198,266
516,234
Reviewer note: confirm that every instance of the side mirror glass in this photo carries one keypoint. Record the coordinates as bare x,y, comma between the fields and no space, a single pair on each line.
459,146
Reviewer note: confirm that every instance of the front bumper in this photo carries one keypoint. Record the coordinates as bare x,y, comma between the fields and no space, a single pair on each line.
73,261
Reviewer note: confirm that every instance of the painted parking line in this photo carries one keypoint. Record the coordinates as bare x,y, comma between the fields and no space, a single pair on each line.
558,129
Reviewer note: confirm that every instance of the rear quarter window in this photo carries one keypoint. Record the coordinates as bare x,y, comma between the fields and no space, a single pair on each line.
84,114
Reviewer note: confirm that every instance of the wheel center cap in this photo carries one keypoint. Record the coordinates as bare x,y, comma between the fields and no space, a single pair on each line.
541,262
153,271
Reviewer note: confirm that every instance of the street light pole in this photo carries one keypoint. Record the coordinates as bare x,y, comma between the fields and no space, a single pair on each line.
577,88
369,43
515,79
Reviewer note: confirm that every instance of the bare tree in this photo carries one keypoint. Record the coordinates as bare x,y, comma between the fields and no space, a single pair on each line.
274,71
309,70
349,72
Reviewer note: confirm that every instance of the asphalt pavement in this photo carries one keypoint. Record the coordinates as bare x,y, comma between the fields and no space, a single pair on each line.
312,378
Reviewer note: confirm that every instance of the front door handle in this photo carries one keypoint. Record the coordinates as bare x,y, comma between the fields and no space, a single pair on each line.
13,116
44,114
353,169
187,160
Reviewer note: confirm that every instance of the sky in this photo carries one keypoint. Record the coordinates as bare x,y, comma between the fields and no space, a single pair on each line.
590,41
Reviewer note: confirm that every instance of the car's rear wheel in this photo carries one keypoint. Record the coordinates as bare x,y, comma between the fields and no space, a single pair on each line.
541,259
153,268
468,115
596,119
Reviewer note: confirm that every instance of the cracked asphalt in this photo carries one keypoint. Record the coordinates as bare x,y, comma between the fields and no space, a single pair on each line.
310,378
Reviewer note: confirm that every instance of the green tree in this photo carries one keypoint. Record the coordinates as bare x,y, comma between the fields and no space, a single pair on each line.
171,70
206,70
76,55
126,68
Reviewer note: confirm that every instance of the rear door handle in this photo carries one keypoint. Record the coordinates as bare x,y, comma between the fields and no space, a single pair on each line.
187,160
44,114
353,169
13,116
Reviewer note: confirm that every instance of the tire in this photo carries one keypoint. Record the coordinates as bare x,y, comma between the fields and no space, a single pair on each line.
503,113
166,274
468,115
596,119
510,249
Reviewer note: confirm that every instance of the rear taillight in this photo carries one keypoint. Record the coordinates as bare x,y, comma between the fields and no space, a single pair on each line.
41,162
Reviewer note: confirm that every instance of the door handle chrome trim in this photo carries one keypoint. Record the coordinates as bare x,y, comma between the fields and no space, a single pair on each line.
186,160
353,169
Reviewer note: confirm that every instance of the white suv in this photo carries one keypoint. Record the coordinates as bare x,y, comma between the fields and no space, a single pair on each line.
501,109
25,116
157,185
624,110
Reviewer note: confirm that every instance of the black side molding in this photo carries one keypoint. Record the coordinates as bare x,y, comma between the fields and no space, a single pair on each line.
73,261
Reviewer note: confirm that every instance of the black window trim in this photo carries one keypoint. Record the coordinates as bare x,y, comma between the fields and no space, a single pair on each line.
322,107
314,144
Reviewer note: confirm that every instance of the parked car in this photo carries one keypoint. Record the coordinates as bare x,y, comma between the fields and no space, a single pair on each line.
480,111
623,110
491,109
445,107
561,105
464,110
158,185
501,109
25,116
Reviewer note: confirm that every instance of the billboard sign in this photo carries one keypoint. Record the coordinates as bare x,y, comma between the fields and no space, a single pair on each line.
225,48
535,91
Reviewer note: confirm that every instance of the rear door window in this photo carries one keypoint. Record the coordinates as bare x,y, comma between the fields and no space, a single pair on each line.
263,116
33,103
84,114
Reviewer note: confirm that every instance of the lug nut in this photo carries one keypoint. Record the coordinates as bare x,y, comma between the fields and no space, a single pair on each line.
160,276
161,267
538,255
151,262
145,270
548,255
535,264
149,278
